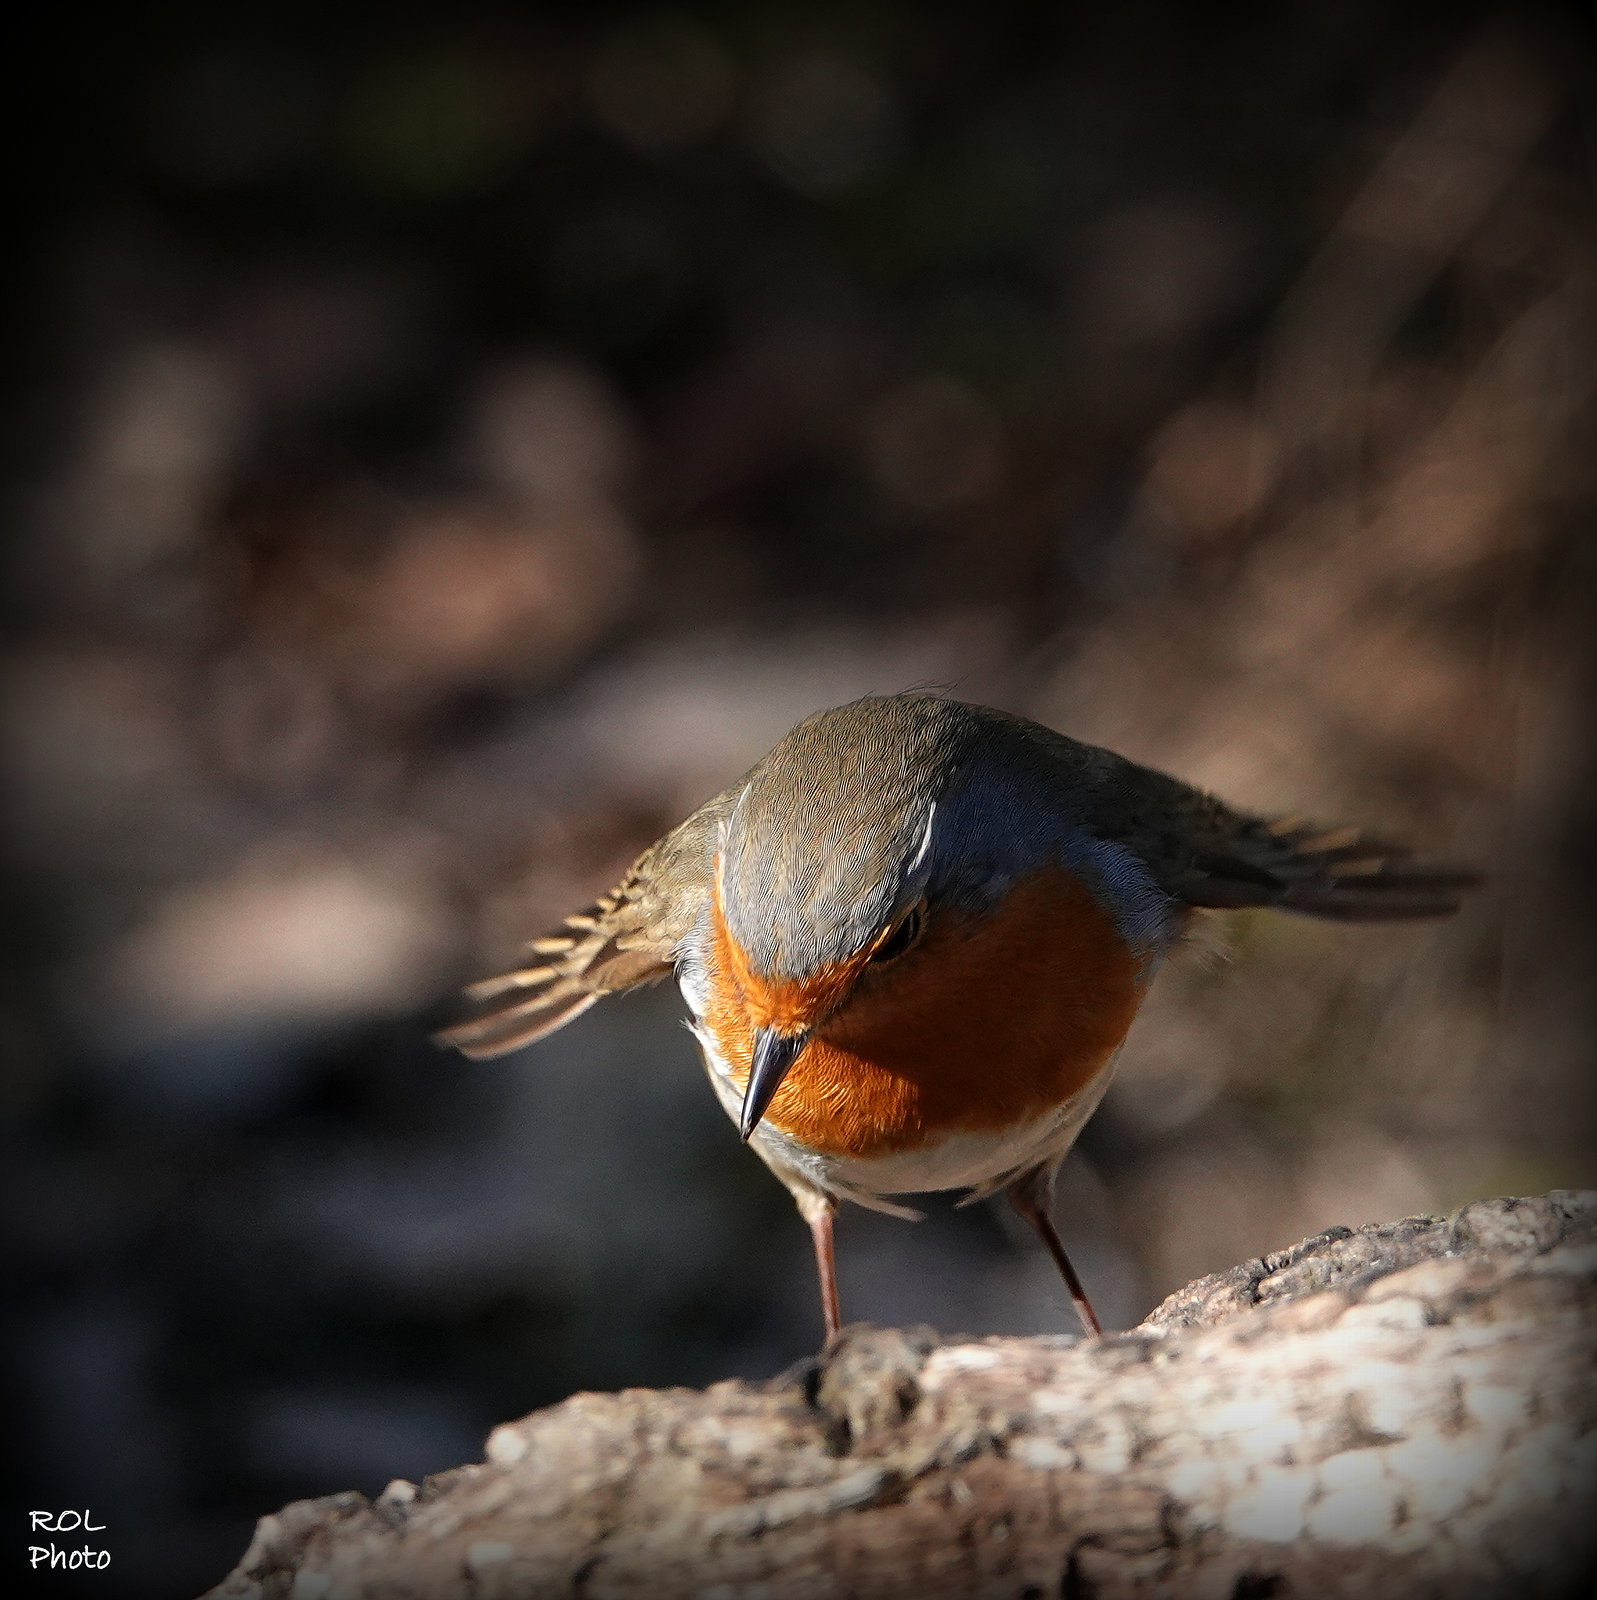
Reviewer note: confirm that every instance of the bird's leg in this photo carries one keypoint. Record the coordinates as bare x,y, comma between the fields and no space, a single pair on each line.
817,1209
1032,1196
826,1269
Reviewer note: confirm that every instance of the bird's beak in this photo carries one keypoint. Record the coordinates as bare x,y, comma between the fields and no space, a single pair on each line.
774,1053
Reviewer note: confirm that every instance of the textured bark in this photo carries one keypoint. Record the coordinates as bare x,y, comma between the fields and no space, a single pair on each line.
1403,1410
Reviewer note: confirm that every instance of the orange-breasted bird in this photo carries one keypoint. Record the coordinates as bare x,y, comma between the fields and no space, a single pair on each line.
913,937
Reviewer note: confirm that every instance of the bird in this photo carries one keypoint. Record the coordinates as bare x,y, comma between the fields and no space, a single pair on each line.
913,937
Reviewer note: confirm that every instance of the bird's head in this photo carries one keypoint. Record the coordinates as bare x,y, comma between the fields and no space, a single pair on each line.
824,875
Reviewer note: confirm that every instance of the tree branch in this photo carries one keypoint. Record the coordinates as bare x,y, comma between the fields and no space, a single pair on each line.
1402,1410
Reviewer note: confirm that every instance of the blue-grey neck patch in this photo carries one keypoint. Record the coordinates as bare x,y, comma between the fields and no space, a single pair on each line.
996,827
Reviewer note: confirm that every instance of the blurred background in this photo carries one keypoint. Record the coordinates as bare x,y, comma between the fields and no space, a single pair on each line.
447,443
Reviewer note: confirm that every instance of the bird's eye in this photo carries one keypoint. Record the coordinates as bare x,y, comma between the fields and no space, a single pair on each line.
907,930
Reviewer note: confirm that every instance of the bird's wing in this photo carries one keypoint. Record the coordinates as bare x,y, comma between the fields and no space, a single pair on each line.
1206,853
1338,873
626,938
1203,852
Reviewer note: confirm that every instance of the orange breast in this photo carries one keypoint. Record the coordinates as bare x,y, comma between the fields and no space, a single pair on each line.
989,1022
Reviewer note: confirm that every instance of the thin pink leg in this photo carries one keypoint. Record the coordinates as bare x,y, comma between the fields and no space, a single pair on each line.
820,1221
1032,1206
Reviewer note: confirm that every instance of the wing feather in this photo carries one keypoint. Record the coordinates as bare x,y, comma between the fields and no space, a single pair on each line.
628,937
